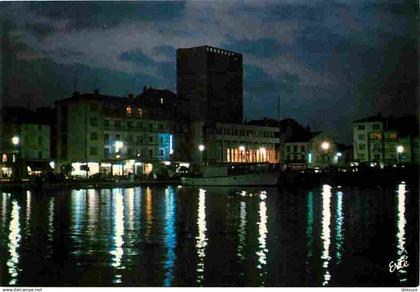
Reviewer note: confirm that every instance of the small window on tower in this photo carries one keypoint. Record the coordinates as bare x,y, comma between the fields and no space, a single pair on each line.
128,109
161,100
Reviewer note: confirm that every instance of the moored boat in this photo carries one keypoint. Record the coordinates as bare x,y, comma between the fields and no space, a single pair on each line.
229,175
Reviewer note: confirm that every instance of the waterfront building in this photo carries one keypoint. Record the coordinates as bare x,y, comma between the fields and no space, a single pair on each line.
25,142
233,143
209,83
313,149
113,135
386,140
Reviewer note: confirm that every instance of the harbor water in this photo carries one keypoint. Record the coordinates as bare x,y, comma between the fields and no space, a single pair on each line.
326,235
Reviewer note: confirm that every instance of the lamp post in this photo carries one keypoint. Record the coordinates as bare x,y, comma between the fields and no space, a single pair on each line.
16,143
201,148
400,149
325,146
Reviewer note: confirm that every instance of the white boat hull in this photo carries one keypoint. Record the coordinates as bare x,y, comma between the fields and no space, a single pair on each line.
252,179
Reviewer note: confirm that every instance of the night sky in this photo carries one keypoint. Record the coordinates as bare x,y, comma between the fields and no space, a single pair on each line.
331,62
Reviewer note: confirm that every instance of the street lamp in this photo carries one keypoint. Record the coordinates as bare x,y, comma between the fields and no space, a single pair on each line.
15,140
16,143
400,149
325,145
201,147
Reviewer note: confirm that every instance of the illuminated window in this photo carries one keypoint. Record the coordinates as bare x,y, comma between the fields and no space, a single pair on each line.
161,100
4,158
139,112
128,109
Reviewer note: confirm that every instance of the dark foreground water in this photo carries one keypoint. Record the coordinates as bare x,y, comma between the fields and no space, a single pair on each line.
325,236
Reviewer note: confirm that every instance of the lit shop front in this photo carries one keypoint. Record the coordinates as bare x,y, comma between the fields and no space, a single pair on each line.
112,168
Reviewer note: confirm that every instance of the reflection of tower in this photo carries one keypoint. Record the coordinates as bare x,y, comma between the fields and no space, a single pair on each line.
326,231
201,237
170,235
401,222
262,237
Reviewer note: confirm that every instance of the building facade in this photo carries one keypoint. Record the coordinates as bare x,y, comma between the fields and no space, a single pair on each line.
111,135
209,82
315,150
386,140
24,143
233,143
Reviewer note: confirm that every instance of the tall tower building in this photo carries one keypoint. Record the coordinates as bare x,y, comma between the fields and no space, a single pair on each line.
209,81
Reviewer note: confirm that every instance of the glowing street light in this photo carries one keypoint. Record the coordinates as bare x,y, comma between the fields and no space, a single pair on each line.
15,140
242,148
325,146
338,154
201,147
400,149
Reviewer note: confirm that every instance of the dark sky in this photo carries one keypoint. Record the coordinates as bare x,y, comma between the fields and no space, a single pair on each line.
331,62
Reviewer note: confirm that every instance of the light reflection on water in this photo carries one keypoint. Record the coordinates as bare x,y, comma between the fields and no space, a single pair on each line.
262,236
78,207
149,212
4,209
401,223
173,236
242,230
326,232
201,237
14,243
118,232
28,213
92,212
51,219
339,238
170,232
309,227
